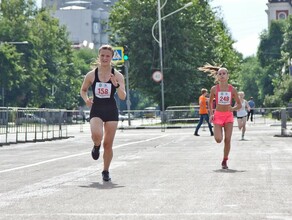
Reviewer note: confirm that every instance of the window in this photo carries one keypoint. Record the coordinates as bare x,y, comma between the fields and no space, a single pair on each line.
281,15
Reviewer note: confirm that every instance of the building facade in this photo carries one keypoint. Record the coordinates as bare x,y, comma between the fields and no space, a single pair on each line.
278,9
86,21
89,4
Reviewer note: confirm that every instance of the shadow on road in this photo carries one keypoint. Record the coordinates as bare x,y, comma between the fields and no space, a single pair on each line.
229,171
103,185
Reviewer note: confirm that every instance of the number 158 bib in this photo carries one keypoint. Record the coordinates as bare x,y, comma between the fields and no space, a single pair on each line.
103,90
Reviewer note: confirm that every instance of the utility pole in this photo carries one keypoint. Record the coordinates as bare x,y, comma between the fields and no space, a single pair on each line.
127,65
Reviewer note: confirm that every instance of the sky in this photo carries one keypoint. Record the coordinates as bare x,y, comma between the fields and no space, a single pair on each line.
245,19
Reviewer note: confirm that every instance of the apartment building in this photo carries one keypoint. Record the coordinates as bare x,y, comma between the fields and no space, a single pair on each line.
86,21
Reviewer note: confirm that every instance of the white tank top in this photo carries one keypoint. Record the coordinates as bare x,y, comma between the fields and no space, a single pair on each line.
242,111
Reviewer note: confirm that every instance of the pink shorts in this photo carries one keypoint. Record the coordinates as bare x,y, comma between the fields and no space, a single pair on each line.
221,118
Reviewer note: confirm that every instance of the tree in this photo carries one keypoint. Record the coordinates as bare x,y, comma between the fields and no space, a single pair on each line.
84,61
53,50
269,55
44,74
287,45
282,93
191,38
249,79
274,55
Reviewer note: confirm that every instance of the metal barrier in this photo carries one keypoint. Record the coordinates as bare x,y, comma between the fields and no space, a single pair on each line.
186,116
18,125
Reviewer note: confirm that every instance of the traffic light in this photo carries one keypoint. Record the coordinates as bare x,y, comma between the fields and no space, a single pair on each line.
126,53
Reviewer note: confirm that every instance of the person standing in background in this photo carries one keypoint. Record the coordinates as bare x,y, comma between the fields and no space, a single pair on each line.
251,111
242,113
203,111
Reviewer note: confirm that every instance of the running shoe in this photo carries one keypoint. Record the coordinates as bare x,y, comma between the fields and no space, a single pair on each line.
105,176
196,134
224,164
95,152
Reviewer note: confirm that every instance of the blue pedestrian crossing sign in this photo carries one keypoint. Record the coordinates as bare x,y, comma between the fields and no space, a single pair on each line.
118,54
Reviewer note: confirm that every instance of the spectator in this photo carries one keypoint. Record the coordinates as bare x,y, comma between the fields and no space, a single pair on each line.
203,111
251,111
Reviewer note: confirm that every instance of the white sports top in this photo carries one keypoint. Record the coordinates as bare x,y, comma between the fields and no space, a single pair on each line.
242,111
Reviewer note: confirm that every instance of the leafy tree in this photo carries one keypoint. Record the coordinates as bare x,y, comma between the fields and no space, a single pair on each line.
282,94
274,55
287,45
44,74
10,64
84,61
249,79
191,37
15,14
269,55
61,79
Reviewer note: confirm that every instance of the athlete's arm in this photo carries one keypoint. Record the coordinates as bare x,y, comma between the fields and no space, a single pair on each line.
87,82
212,96
237,105
119,82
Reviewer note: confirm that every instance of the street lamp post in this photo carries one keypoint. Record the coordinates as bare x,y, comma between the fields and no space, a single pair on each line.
160,46
161,59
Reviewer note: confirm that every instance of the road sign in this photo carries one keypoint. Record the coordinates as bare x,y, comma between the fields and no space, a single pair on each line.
157,76
118,54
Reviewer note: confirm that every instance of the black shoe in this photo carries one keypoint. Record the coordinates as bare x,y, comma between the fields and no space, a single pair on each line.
212,134
95,152
196,134
105,176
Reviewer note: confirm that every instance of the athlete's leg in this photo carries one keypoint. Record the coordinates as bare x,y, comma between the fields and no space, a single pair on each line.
110,128
240,123
199,124
243,127
96,127
228,128
251,115
218,133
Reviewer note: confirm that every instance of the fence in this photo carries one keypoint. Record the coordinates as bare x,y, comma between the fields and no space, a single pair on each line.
19,125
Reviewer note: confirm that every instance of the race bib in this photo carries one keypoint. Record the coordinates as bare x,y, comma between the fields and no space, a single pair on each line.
103,90
224,98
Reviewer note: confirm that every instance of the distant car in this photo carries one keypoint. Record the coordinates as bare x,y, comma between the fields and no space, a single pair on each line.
125,117
30,118
150,112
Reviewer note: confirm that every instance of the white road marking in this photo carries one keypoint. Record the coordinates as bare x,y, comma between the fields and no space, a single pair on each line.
76,155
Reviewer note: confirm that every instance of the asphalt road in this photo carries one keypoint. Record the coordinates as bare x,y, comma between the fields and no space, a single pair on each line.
171,175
